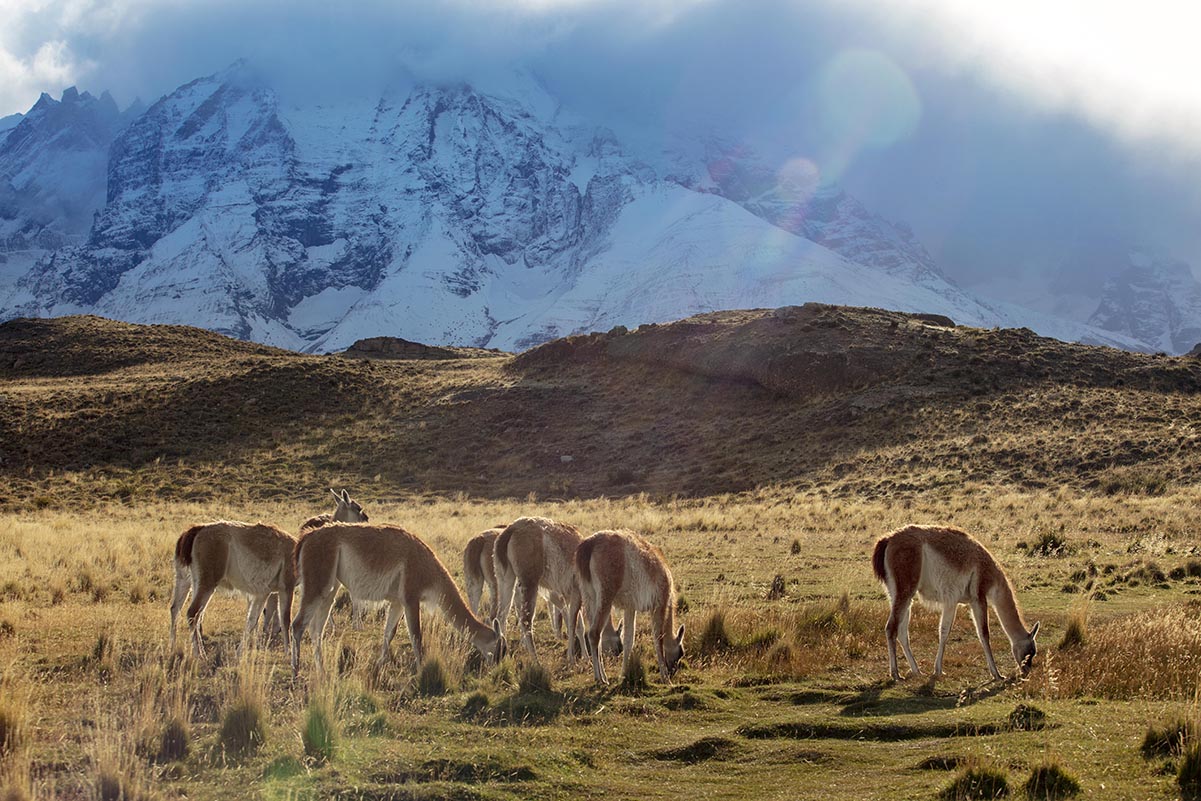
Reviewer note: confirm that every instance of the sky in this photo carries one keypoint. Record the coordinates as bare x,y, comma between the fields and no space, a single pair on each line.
1007,135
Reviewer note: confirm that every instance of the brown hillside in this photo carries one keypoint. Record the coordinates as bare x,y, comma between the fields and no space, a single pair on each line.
822,398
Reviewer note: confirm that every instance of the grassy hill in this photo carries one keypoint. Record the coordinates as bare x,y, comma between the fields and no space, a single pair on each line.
763,451
847,400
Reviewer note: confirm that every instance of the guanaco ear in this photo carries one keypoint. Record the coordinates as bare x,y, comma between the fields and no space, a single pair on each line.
1034,631
680,634
345,496
496,627
335,492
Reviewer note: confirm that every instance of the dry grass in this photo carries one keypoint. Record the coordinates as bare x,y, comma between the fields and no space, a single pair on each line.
749,493
1155,653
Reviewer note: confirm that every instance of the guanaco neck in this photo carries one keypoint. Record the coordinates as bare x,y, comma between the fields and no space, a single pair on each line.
1007,609
450,600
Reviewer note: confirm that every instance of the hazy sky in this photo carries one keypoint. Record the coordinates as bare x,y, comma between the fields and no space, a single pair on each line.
1005,133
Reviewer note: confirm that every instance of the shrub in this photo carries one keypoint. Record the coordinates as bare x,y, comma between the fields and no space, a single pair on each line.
319,734
795,548
777,589
1051,781
977,783
433,679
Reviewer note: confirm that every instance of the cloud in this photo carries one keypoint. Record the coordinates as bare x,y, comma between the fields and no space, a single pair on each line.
51,67
996,129
1130,68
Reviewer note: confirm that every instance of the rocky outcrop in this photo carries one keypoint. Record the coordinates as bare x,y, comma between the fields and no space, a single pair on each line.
1155,300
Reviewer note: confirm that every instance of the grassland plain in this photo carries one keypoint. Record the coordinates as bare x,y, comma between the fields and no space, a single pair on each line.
1074,465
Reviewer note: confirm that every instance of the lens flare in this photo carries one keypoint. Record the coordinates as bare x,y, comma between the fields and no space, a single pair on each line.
866,100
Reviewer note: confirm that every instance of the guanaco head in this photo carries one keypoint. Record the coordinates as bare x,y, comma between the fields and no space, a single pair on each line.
349,510
673,651
1024,650
611,639
494,648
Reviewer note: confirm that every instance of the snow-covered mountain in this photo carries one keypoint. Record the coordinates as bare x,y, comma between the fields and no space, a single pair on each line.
456,214
1156,300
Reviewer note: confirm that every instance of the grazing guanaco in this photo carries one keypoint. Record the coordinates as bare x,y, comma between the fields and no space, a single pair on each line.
536,552
380,563
255,560
947,567
479,569
620,568
348,510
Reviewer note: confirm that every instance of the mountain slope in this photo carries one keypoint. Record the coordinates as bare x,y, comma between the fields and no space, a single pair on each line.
857,401
449,214
1154,300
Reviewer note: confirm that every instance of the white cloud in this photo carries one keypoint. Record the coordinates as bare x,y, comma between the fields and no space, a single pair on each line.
52,67
1129,67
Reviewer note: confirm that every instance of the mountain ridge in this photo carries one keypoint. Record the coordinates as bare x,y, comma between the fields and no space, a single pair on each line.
451,215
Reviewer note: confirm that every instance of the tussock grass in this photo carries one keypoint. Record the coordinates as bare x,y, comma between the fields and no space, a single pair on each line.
1049,781
534,677
433,678
1166,739
1027,717
634,679
977,782
244,719
1188,776
1074,634
713,638
15,714
319,733
117,773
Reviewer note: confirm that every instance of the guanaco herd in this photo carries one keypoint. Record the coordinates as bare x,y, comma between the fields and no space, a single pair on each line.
583,580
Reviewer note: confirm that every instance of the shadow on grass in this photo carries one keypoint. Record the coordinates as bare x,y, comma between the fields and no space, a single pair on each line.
873,700
876,732
532,708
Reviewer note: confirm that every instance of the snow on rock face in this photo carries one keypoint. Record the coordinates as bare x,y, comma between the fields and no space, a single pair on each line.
52,165
1154,300
445,214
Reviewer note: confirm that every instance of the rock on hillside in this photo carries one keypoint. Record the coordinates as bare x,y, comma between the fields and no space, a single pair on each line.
397,348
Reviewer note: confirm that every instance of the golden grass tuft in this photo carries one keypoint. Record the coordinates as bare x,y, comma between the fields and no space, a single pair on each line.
1155,653
1074,634
714,638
